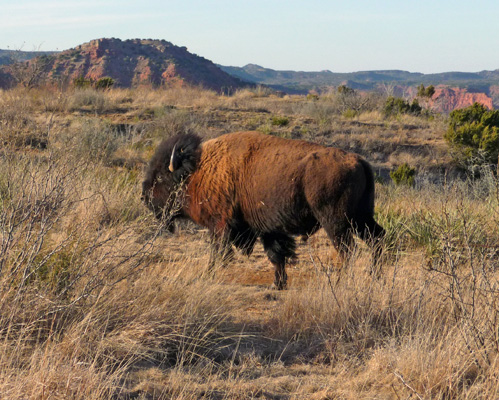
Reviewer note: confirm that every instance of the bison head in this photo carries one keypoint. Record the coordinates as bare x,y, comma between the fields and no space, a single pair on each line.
175,159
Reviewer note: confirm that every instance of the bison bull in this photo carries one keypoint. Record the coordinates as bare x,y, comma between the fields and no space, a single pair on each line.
247,185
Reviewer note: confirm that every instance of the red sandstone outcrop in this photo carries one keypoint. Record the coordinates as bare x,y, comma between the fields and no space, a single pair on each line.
135,63
447,99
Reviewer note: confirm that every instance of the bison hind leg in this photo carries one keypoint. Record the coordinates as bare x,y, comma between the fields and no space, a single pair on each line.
279,247
372,233
341,235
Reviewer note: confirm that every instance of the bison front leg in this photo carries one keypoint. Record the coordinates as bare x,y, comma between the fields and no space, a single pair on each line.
221,252
279,248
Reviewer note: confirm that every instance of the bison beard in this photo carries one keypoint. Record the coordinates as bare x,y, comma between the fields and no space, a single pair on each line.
246,185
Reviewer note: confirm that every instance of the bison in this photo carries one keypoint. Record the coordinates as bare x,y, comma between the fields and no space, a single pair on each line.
246,185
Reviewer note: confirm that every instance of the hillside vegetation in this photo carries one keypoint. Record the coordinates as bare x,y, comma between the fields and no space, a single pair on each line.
97,301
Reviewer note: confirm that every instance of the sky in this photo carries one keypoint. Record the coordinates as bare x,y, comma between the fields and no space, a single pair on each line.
427,36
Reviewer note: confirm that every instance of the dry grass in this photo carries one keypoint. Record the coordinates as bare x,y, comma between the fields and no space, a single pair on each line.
97,302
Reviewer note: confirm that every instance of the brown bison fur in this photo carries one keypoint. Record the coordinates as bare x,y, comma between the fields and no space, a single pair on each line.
247,185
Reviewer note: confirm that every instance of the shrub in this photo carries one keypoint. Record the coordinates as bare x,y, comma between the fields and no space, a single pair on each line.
349,100
350,113
395,106
312,96
280,121
88,98
18,128
54,270
168,121
473,135
403,175
81,82
104,83
345,90
426,92
92,140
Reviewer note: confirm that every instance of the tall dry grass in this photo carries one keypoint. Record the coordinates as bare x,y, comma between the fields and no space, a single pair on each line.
84,296
97,302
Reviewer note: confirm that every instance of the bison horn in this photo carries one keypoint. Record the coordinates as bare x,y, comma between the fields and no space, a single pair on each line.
171,167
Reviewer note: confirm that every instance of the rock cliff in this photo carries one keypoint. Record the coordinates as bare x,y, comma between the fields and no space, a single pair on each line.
447,99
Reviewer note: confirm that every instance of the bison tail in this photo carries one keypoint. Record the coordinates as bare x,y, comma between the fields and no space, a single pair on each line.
367,200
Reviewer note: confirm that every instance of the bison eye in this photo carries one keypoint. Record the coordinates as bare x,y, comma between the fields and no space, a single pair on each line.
159,179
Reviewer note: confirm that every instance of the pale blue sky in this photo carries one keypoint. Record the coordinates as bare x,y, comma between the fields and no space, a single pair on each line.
342,36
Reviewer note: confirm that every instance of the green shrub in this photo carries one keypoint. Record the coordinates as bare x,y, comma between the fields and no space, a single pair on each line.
403,175
266,129
426,92
54,271
280,121
345,90
421,229
104,83
81,82
473,135
350,113
395,106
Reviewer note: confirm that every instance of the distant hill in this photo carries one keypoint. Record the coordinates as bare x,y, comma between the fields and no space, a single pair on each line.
7,56
134,63
302,82
299,81
455,89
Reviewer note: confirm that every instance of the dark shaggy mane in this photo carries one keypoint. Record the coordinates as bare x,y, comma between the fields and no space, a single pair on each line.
188,144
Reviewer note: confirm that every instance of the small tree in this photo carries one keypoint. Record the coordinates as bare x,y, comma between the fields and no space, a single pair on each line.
396,106
404,175
28,73
473,135
350,100
426,92
345,90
